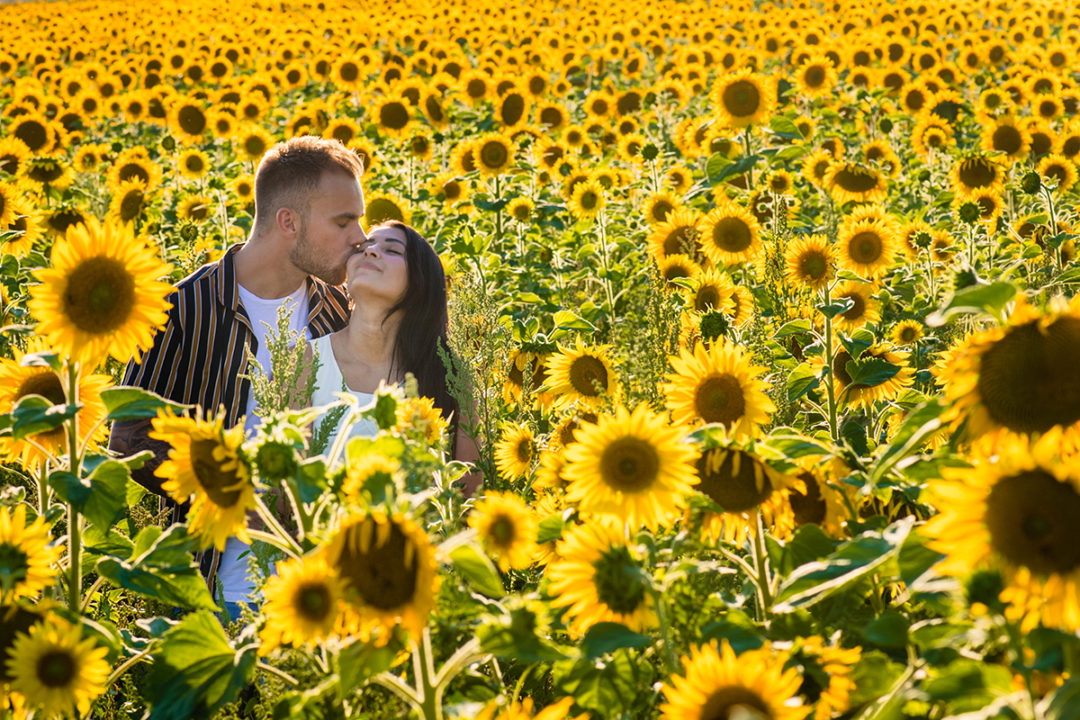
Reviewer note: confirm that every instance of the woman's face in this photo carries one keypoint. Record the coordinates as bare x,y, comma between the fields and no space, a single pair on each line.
378,270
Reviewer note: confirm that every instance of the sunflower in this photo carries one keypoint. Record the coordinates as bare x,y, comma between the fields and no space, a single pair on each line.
13,154
884,389
1020,377
388,569
10,198
196,208
521,209
810,262
128,202
1005,134
507,529
26,555
494,153
35,132
243,188
101,294
512,109
816,76
29,227
371,472
678,266
188,120
712,289
907,332
827,673
515,452
524,711
252,142
718,385
1015,511
977,172
632,466
18,380
587,199
193,163
718,684
582,374
743,98
820,496
816,167
1060,169
56,670
931,133
852,182
730,235
868,241
392,116
207,468
865,307
48,173
678,235
302,604
134,164
600,577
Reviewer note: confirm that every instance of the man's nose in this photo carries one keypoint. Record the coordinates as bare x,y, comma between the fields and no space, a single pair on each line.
360,238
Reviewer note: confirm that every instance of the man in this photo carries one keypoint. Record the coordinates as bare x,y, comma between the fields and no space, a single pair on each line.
308,207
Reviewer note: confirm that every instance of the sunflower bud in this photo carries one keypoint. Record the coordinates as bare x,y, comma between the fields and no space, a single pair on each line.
984,586
970,212
1031,183
649,152
168,144
275,461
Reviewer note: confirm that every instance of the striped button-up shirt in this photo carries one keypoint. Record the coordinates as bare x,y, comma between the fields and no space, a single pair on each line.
200,356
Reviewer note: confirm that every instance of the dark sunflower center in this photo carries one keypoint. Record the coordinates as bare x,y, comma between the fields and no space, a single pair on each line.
1032,518
1008,139
857,310
741,98
630,464
856,179
839,367
100,295
809,507
679,240
198,211
1071,147
814,77
738,485
433,109
133,171
676,270
720,399
1029,380
513,108
312,602
191,120
552,117
214,480
46,384
1056,171
394,116
33,133
661,209
865,247
131,205
503,531
523,450
618,580
45,172
14,620
813,265
385,576
476,88
708,296
493,154
349,72
732,234
589,200
56,669
588,376
734,702
976,173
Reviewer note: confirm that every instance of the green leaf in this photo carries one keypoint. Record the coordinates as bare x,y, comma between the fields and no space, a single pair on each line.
916,559
791,152
101,497
968,684
513,635
363,660
132,403
800,381
723,170
889,630
978,299
385,412
808,544
785,127
197,671
870,372
1064,702
921,423
35,414
550,528
310,480
605,637
566,320
609,688
813,582
478,570
842,305
849,275
164,569
793,327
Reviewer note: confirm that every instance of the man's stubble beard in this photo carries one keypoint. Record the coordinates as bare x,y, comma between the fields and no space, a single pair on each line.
306,260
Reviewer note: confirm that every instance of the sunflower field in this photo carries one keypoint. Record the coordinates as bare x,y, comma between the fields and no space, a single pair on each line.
764,312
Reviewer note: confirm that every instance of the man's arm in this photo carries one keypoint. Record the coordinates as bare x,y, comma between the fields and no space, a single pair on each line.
133,436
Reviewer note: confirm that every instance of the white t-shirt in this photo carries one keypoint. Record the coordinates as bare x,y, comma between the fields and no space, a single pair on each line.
329,382
263,313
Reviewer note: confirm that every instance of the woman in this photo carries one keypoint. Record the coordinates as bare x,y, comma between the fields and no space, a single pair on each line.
398,323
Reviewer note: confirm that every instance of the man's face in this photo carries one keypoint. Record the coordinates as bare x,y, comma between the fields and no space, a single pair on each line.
330,231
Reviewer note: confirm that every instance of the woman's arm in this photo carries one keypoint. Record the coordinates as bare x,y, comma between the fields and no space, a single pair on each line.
466,450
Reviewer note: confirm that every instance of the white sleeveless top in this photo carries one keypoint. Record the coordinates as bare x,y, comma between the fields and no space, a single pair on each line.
329,382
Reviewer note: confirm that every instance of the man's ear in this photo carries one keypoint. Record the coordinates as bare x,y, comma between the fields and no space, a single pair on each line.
288,221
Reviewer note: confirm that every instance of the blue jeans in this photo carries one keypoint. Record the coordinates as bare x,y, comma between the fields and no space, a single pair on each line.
233,609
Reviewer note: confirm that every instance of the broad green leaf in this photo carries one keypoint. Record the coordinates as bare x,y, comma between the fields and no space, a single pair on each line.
164,571
132,403
35,414
197,670
478,570
793,327
842,305
988,299
784,126
1064,702
870,372
566,320
920,424
361,661
608,689
792,152
605,637
101,497
888,630
968,685
800,381
513,635
808,544
47,359
718,171
916,559
550,528
310,481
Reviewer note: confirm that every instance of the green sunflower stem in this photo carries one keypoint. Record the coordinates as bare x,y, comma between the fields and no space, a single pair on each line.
74,518
761,561
428,690
499,212
607,266
746,149
283,539
829,389
42,478
670,660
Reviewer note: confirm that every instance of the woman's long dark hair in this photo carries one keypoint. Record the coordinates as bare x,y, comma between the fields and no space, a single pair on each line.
424,321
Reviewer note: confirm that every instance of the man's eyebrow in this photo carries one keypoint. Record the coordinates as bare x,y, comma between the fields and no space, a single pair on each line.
346,215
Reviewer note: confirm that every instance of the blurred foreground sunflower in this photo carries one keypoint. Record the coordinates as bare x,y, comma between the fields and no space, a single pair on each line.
507,528
302,604
26,555
101,296
57,671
